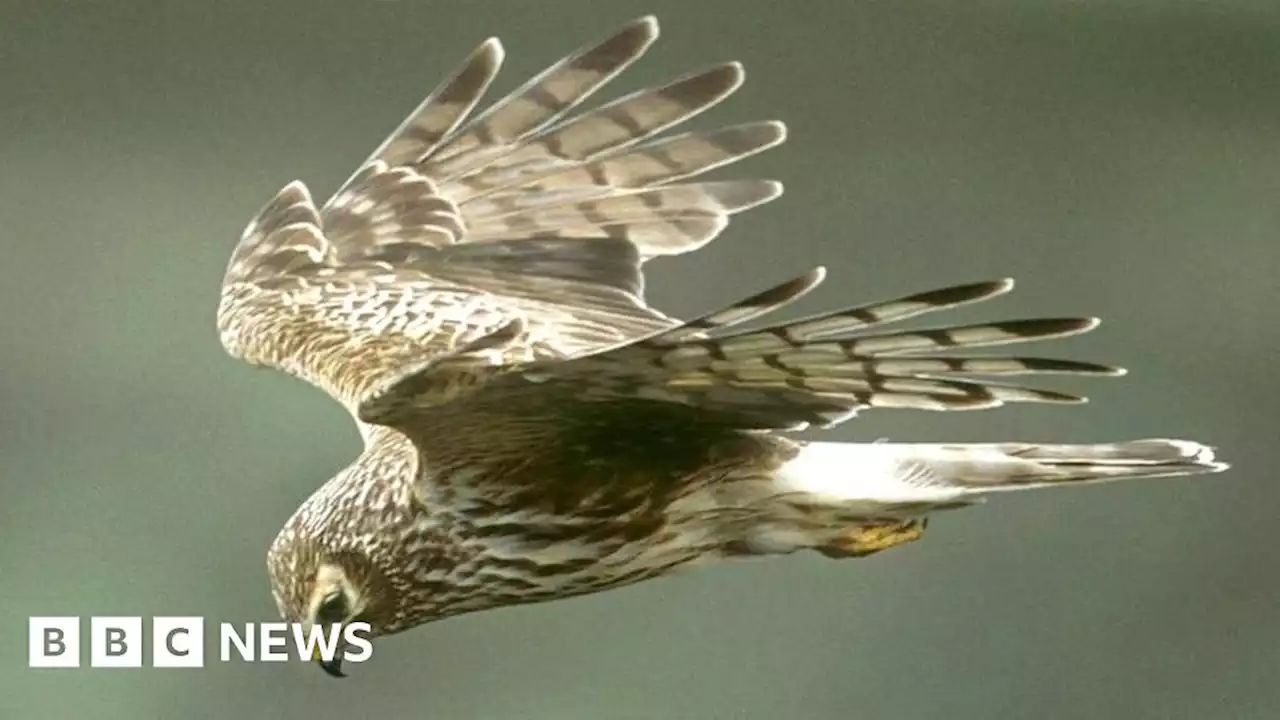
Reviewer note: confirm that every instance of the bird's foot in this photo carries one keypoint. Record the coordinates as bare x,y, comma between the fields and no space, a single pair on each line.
872,537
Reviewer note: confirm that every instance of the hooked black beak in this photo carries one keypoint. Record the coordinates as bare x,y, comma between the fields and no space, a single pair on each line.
333,667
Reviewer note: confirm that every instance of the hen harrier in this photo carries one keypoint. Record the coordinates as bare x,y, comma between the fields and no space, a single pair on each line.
533,429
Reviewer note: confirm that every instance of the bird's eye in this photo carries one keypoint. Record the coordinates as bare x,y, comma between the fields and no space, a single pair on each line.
332,609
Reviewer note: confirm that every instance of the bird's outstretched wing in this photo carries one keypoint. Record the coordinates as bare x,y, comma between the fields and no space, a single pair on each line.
532,215
818,370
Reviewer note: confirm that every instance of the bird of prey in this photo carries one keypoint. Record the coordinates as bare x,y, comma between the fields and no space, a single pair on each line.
533,429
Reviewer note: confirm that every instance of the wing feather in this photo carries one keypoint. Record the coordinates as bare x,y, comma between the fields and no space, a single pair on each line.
443,110
544,99
611,127
537,210
665,160
819,370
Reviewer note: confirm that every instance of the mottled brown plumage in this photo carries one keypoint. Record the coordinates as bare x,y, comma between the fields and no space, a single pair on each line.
533,430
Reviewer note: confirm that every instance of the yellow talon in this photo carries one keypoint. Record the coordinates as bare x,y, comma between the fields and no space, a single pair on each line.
873,537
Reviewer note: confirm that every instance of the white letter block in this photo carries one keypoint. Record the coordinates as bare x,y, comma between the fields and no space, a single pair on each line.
115,642
177,642
54,642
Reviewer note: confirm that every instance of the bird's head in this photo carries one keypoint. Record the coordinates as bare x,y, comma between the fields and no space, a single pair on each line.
322,588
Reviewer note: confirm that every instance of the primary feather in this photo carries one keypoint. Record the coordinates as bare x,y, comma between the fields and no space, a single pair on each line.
461,221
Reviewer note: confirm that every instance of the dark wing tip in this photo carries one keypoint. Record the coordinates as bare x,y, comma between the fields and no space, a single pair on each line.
1053,396
1048,327
623,46
789,290
709,85
1074,367
645,27
475,70
958,294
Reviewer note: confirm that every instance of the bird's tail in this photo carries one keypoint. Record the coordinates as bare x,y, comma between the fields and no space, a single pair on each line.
904,477
852,499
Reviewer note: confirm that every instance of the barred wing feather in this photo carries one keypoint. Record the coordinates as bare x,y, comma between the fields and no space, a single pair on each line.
536,209
819,370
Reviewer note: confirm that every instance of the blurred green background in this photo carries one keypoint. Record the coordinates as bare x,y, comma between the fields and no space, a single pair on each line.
1119,159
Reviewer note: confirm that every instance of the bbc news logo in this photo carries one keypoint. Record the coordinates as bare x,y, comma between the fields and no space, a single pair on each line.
178,642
